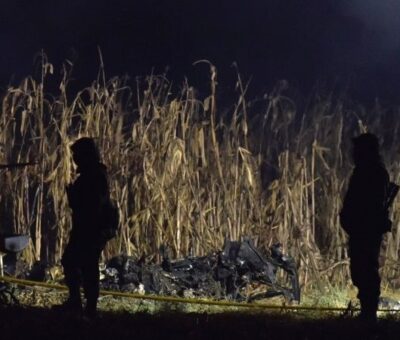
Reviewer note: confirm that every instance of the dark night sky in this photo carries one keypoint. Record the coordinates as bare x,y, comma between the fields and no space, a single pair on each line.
299,40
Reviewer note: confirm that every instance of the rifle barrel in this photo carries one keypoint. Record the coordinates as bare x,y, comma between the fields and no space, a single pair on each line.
393,190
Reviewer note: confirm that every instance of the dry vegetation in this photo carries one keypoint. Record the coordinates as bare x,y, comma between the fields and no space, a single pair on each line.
187,175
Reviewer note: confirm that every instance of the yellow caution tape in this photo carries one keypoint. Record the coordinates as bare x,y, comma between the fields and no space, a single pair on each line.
189,300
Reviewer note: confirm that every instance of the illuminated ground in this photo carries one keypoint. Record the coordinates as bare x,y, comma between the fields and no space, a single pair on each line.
126,318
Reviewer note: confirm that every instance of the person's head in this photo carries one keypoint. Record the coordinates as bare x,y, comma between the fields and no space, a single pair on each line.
85,152
365,148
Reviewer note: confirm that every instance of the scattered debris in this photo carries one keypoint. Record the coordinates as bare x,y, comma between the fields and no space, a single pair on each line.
388,303
223,274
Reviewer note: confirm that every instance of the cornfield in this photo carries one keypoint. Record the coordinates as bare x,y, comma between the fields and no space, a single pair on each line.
189,176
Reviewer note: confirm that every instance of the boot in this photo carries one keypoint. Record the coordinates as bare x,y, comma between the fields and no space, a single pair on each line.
91,309
368,312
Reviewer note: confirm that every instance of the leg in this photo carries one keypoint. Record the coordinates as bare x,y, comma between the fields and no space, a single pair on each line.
91,277
364,268
70,262
371,287
357,263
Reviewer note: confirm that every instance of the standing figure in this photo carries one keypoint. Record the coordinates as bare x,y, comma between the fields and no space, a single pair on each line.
364,217
87,197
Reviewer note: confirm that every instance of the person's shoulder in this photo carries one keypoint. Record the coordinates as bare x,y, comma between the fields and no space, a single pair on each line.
101,168
100,171
374,169
380,171
95,173
102,176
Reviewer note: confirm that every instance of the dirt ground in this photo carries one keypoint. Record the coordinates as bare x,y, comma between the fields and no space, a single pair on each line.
43,323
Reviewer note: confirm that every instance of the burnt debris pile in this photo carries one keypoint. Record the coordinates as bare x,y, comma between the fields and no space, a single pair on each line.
223,274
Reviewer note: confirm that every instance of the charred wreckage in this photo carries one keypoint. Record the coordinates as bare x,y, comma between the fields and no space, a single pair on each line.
223,274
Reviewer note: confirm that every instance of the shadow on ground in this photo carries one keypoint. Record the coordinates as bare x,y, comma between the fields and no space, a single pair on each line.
41,323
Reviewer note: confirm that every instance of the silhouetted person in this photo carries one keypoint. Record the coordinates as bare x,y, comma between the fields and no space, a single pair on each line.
87,197
365,219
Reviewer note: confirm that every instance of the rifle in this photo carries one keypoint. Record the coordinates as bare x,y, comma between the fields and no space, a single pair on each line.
393,189
16,165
